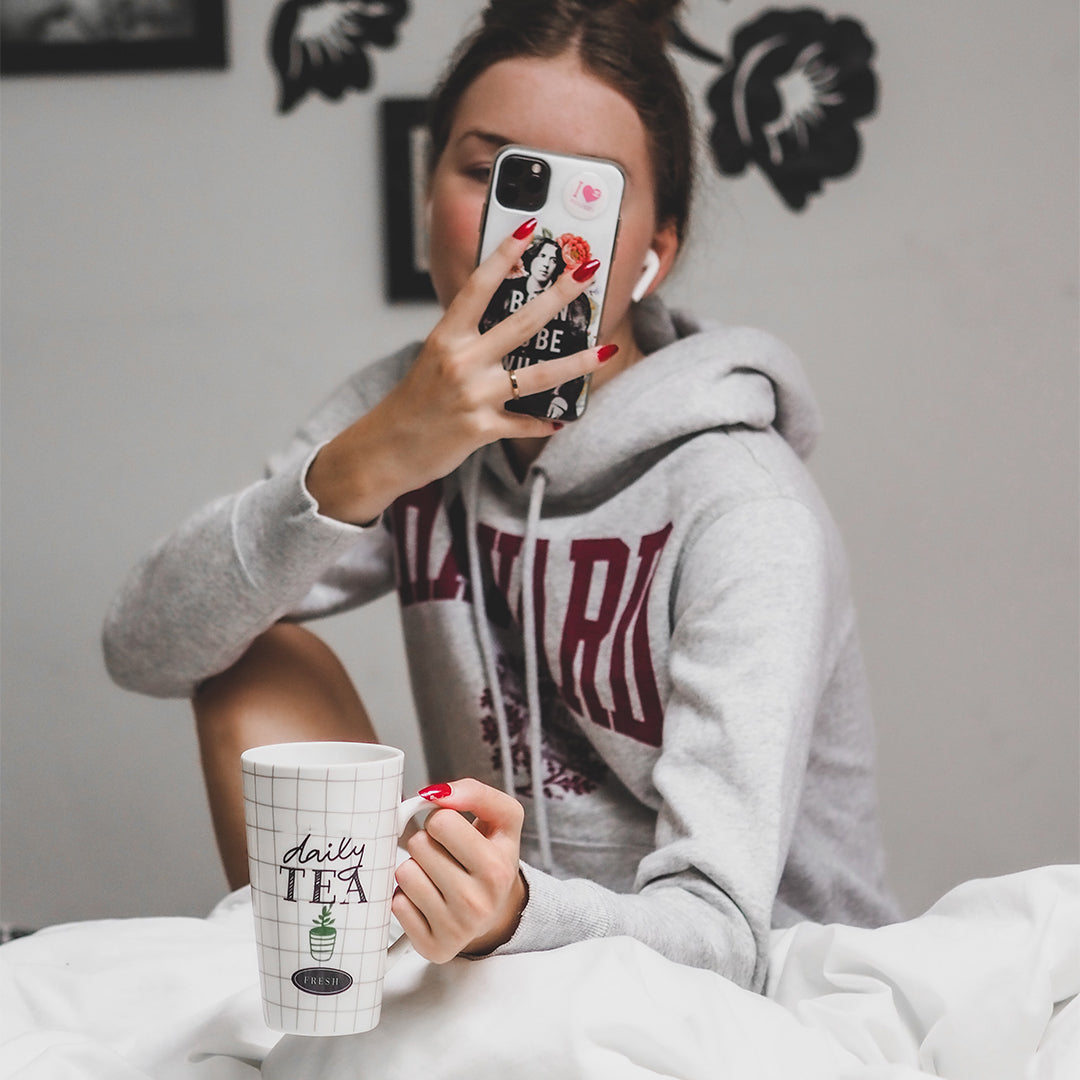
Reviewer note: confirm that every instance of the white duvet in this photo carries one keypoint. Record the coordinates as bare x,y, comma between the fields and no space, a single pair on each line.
981,987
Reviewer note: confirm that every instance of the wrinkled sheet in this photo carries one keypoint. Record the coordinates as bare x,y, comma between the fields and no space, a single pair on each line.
983,986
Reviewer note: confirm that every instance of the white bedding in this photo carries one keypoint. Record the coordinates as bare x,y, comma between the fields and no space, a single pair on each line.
981,987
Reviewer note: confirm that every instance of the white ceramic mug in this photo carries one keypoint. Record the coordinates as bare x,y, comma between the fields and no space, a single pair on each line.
323,824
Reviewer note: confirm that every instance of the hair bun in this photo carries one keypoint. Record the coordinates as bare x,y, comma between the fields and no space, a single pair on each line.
655,14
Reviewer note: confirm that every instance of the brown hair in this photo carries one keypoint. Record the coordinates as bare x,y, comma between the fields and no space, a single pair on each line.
620,42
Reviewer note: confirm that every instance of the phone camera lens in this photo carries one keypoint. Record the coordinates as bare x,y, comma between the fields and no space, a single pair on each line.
522,183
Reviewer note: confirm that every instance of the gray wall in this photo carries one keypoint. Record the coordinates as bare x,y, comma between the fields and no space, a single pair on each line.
186,273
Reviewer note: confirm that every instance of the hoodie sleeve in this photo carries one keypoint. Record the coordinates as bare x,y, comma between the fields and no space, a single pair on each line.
195,603
750,649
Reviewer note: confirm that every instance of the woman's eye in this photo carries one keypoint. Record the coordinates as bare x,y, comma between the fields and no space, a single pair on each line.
479,172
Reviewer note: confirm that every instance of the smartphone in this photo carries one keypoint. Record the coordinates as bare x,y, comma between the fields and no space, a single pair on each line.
576,201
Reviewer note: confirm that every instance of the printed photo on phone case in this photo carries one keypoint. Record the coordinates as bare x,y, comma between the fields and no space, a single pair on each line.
569,332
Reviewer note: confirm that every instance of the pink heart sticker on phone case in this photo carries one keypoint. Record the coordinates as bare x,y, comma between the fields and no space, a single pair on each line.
590,194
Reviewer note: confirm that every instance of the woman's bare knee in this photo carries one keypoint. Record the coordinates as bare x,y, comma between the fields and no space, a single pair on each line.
289,686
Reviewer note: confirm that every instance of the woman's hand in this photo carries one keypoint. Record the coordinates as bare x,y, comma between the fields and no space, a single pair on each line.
462,889
451,401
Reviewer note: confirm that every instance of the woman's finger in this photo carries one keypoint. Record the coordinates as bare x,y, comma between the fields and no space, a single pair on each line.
430,851
498,815
474,296
457,845
414,922
507,335
548,374
417,884
451,883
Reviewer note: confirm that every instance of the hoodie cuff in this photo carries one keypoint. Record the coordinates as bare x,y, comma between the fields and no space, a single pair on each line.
277,524
557,913
312,503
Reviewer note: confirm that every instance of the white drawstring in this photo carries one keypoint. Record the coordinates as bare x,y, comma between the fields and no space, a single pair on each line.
487,645
480,622
532,673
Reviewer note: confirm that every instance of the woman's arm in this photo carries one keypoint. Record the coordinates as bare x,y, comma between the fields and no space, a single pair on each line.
192,607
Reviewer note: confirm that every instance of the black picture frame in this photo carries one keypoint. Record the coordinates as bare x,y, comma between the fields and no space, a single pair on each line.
404,140
202,46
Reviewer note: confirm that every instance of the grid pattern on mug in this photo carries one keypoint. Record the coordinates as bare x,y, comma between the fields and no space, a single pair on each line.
283,804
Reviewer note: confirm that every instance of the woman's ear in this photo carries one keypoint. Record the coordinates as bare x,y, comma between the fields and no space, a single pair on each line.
658,261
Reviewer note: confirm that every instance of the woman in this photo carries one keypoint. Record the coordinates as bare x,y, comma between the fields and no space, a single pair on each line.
631,640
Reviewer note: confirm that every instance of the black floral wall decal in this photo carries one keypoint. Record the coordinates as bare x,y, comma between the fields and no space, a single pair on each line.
789,97
319,45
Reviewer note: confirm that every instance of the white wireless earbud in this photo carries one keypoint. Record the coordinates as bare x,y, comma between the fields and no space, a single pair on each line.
652,267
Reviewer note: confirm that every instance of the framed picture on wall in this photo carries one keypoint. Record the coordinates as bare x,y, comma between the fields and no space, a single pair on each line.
50,37
404,136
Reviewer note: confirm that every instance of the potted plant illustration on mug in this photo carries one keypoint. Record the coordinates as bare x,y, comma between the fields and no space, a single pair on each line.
322,936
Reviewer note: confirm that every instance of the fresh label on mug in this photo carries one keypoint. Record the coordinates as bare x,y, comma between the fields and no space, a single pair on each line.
321,980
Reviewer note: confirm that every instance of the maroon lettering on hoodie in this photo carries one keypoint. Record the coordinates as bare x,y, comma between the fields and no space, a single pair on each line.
432,564
412,522
585,636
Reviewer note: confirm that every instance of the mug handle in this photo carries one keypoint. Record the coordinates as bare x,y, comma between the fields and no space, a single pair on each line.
405,813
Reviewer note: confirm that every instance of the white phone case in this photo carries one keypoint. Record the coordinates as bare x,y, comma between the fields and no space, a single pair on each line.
577,221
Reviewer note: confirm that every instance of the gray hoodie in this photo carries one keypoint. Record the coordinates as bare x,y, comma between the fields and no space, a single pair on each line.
662,662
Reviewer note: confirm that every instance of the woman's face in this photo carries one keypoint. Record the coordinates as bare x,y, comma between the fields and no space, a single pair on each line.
552,105
543,264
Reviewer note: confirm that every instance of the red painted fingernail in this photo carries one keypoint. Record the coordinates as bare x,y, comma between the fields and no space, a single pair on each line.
586,270
606,352
436,791
526,228
557,426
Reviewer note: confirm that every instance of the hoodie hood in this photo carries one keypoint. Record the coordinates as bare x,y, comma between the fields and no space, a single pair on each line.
696,376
